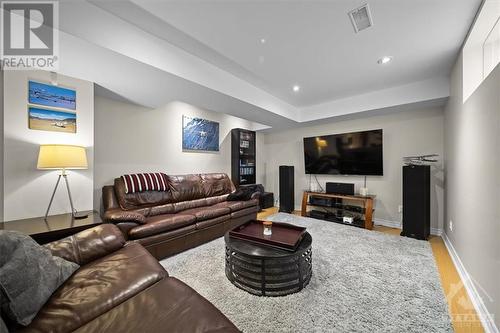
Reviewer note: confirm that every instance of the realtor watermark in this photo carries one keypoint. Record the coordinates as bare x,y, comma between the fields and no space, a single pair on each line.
30,35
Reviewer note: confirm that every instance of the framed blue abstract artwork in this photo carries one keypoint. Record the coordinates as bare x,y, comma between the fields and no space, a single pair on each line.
49,95
199,134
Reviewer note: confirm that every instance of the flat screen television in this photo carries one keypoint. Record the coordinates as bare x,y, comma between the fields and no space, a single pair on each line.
357,153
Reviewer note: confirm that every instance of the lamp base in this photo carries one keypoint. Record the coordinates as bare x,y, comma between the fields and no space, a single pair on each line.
77,216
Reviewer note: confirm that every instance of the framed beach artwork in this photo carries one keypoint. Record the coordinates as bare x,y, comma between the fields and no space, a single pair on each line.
52,96
199,134
51,120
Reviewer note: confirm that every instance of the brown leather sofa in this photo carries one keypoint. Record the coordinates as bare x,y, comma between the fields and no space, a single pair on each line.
121,288
194,210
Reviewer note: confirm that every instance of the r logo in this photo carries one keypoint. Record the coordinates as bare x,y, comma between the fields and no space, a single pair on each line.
28,28
29,38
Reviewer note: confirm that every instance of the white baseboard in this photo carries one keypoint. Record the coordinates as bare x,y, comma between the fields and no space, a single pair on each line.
436,232
484,315
387,223
397,224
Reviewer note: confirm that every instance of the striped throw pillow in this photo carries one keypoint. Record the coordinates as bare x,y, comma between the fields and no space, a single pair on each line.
140,182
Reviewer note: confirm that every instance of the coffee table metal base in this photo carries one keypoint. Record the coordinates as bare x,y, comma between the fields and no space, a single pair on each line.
279,275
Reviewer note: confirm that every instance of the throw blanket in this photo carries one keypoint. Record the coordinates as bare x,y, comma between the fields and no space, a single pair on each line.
140,182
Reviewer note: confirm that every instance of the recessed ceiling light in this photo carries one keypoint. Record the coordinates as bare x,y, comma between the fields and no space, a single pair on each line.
263,41
296,88
384,60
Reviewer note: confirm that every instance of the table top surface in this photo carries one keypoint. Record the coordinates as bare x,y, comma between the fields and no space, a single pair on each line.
283,235
346,196
38,225
253,249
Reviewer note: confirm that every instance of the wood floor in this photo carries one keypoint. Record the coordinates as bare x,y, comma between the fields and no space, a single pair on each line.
462,312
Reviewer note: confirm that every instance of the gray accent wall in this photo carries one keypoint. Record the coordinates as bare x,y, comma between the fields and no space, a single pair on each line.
406,133
472,183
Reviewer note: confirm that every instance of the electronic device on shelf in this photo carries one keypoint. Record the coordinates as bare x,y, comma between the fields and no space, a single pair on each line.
340,188
318,201
317,214
348,219
358,153
357,210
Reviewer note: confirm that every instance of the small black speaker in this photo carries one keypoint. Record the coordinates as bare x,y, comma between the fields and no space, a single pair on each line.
416,201
340,188
287,194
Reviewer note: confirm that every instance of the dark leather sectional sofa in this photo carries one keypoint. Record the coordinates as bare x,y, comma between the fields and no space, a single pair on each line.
121,288
192,211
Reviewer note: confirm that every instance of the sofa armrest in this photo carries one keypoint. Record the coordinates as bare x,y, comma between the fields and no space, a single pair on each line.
88,245
109,199
118,215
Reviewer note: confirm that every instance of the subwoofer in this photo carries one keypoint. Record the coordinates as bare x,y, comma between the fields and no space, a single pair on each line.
286,189
416,201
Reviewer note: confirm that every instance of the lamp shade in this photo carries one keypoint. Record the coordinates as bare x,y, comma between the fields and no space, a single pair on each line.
62,157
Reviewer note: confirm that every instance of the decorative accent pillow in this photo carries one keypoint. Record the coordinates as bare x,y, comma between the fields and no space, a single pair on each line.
29,275
140,182
241,194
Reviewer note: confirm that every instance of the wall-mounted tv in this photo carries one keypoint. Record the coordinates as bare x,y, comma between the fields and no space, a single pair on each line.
357,153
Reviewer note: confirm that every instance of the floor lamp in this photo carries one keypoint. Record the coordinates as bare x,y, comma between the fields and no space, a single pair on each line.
62,157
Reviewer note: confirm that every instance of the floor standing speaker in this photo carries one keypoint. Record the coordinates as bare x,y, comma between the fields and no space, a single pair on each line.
416,201
286,189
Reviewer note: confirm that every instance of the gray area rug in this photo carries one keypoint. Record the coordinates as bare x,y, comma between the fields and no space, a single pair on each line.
363,281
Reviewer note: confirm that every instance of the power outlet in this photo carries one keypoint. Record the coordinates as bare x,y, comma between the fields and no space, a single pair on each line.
400,208
451,225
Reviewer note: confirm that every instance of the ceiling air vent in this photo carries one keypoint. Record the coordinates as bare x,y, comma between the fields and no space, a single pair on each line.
361,18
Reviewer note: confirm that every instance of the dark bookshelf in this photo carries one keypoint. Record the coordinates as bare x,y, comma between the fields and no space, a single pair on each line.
243,159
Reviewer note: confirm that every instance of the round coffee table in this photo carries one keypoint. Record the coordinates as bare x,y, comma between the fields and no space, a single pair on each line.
266,271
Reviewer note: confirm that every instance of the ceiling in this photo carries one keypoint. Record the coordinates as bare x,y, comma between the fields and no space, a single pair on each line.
313,43
209,53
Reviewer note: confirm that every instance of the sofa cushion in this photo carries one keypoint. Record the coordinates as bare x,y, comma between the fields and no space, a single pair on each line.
162,209
215,184
245,211
237,205
165,236
140,199
180,188
215,200
97,288
186,187
211,222
161,223
88,245
183,205
168,306
118,215
208,212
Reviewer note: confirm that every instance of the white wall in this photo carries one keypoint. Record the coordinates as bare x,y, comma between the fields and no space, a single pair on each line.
472,146
27,190
405,133
130,139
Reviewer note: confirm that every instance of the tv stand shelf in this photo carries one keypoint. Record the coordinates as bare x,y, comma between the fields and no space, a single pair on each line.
365,208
